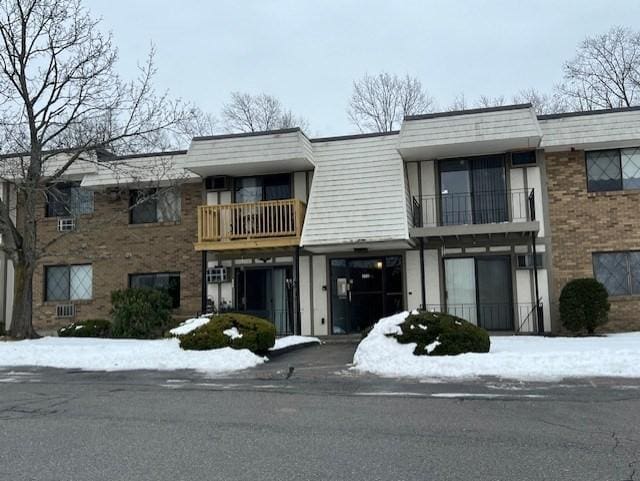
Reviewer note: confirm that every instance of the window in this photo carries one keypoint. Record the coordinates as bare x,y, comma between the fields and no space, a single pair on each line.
68,283
523,158
618,271
525,261
264,187
166,281
153,205
617,169
68,200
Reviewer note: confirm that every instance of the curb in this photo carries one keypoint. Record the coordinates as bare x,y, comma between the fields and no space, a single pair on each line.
295,347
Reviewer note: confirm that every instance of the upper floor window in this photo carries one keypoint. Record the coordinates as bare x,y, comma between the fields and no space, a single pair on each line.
148,206
165,281
619,272
262,187
614,169
68,283
68,199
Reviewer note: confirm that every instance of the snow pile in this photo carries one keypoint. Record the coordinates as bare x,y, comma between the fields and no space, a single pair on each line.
511,357
233,333
121,355
289,341
189,325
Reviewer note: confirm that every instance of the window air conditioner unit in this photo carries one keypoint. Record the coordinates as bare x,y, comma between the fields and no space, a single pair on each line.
66,224
218,182
217,275
65,310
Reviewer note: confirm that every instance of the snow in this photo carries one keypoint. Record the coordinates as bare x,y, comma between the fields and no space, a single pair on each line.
189,325
530,358
288,341
121,355
233,333
430,347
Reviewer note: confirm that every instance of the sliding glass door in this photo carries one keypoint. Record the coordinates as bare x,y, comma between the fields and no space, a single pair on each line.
266,292
473,191
479,290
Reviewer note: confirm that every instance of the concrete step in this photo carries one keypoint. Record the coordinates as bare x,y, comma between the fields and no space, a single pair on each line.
341,339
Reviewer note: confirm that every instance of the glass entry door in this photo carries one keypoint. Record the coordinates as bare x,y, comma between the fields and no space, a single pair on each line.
363,291
479,290
266,292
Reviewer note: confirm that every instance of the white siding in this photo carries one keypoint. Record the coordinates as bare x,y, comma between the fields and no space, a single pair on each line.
413,283
450,135
320,296
601,130
358,193
300,186
305,295
250,155
155,171
432,271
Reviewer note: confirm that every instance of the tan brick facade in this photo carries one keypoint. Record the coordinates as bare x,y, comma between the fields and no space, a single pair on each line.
586,222
116,249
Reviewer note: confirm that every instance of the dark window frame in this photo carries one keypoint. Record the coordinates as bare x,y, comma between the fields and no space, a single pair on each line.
135,205
64,207
523,162
621,186
175,299
235,186
45,281
629,279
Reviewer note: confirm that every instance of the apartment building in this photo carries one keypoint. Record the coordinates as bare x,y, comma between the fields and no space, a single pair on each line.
483,213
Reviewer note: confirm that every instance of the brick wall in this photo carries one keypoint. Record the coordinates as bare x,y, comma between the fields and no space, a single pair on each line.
585,222
116,249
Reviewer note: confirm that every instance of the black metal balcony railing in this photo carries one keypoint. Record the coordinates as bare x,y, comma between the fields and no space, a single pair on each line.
520,317
485,207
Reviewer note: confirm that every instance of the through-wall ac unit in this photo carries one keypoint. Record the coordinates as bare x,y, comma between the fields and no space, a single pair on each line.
217,275
218,182
65,310
66,224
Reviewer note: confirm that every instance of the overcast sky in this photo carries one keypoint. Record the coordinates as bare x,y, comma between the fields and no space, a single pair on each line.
308,53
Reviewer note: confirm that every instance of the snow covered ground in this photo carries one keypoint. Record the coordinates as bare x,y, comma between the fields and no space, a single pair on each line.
122,355
288,341
511,357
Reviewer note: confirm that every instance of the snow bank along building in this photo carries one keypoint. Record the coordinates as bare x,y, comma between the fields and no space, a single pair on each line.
482,213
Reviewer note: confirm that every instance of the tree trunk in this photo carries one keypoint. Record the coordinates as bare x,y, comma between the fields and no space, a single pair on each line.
21,318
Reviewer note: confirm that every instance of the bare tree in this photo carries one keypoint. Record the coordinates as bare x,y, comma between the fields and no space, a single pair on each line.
605,72
379,103
486,101
60,99
542,103
254,113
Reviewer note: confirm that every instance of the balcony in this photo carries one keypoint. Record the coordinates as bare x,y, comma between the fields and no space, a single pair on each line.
254,225
503,213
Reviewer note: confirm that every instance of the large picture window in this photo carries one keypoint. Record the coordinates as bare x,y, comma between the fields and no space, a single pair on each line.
149,206
68,283
619,272
68,200
163,281
615,169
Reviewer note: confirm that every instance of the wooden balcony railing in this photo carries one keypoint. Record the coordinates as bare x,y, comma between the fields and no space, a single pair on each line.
256,224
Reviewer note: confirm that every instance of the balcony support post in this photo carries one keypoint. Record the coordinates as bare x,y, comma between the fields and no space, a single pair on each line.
204,282
297,317
423,282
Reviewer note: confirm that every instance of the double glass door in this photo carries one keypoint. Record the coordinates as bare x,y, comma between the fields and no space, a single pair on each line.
479,290
363,291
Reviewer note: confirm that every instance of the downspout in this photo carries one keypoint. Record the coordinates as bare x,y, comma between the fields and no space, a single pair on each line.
204,282
423,282
539,311
296,291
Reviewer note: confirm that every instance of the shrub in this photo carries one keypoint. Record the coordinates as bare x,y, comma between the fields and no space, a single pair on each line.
584,305
140,312
439,334
258,335
88,328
